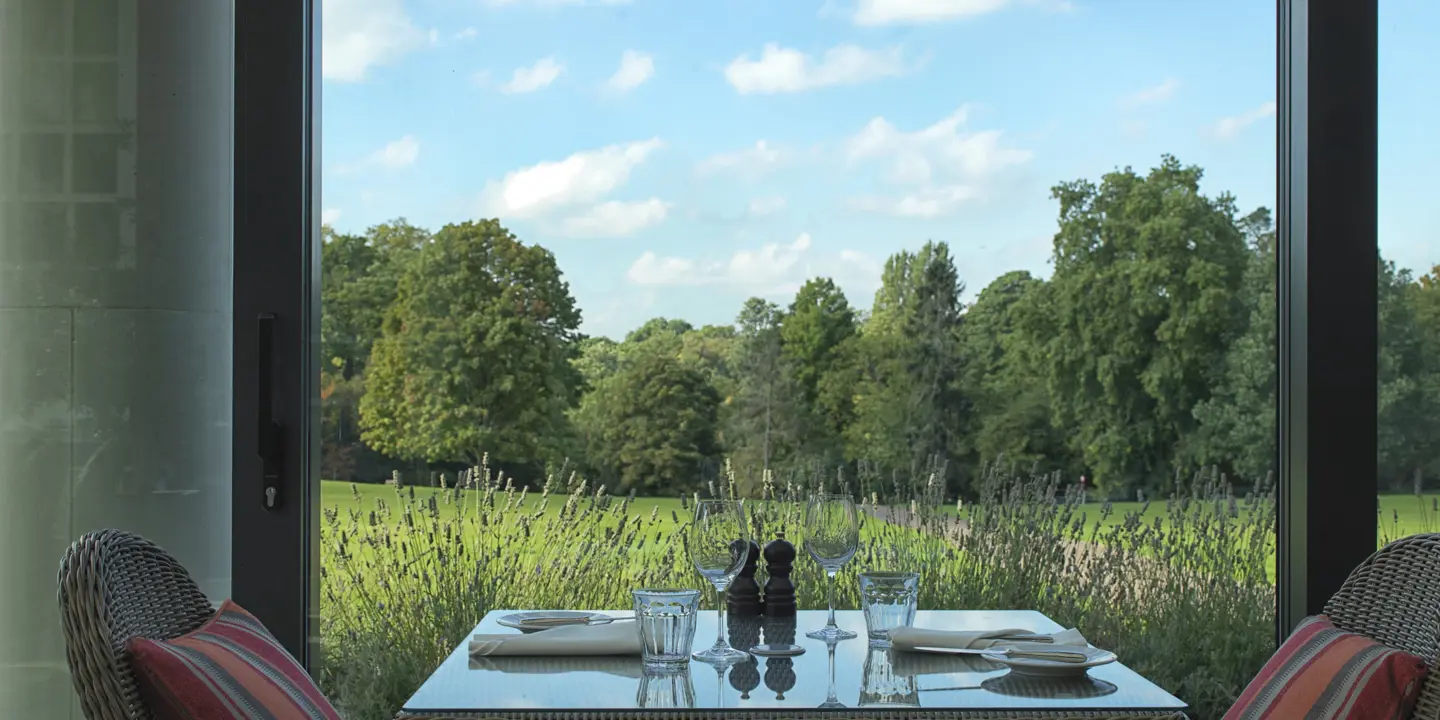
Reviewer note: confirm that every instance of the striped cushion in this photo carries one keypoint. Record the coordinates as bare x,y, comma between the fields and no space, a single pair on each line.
230,667
1322,673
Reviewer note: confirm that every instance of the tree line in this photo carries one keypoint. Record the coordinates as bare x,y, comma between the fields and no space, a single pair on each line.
1148,352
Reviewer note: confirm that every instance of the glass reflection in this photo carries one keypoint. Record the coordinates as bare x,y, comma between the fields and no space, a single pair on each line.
666,690
880,684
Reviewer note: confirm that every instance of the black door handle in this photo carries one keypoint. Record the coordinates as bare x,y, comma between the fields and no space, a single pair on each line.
269,433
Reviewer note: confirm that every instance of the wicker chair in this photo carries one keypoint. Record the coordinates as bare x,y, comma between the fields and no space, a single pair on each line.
115,586
1394,598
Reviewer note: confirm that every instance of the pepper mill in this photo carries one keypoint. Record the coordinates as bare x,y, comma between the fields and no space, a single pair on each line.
779,591
743,598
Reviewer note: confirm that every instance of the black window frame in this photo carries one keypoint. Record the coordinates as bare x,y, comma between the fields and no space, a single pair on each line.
1326,97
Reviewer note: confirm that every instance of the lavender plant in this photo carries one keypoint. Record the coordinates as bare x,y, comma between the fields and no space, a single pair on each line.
1185,598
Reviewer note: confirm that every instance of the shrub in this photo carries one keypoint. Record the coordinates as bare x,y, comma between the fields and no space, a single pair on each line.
1184,597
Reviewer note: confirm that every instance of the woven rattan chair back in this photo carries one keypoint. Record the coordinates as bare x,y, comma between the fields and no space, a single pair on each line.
1394,598
115,586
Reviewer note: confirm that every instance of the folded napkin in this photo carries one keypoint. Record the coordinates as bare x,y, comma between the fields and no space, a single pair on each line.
618,638
909,638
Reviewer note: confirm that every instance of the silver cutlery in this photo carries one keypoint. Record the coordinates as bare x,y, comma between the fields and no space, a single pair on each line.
557,621
1056,655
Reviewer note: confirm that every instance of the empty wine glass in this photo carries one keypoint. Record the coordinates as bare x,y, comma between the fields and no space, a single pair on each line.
719,543
832,534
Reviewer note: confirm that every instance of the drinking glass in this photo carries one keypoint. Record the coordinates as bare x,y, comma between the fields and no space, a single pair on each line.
719,545
888,599
832,534
665,621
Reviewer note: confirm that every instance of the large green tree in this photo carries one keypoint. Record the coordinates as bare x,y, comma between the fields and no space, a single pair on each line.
1236,425
1011,421
476,352
765,420
1134,326
656,426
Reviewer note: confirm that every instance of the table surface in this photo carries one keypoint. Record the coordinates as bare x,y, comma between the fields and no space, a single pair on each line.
864,676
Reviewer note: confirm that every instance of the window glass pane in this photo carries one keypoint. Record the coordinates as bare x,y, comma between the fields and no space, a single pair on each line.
1408,294
1002,271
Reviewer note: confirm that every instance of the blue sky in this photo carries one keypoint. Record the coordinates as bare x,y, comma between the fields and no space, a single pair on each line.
678,157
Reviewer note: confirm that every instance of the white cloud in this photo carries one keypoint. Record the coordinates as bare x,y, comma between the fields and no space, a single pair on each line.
943,149
396,155
767,267
551,3
1157,94
468,33
535,77
361,34
434,37
584,177
330,216
897,12
616,219
775,270
768,205
1228,128
635,68
756,159
927,202
786,70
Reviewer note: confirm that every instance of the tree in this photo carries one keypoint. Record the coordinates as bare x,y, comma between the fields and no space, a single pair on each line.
358,279
1011,419
476,352
1405,410
1132,327
1236,425
657,420
908,410
813,332
765,418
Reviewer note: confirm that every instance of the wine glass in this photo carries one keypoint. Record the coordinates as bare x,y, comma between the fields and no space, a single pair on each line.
832,534
719,544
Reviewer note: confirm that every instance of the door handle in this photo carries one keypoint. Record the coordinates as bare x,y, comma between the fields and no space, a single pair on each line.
269,436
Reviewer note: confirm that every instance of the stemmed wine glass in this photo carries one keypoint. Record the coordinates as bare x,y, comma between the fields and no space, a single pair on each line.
719,544
832,534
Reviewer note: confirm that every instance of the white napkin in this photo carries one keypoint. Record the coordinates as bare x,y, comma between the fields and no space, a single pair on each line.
909,638
616,638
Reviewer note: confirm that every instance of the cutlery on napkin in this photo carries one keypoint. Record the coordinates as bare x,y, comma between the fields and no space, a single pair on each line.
913,638
1049,653
603,639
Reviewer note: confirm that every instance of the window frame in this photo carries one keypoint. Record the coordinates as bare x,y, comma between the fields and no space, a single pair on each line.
1326,97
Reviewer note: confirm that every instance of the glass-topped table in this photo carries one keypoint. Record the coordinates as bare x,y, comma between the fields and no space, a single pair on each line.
869,682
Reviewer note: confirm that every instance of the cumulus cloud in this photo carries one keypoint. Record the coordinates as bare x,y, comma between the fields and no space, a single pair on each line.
915,12
943,148
330,216
944,164
768,265
362,34
771,270
584,177
786,70
754,160
468,33
616,218
926,202
635,68
1229,127
396,155
529,78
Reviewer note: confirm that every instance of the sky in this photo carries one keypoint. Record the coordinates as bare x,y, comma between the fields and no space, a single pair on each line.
679,156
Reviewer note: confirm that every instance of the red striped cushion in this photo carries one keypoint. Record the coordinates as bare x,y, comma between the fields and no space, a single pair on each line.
231,667
1322,673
